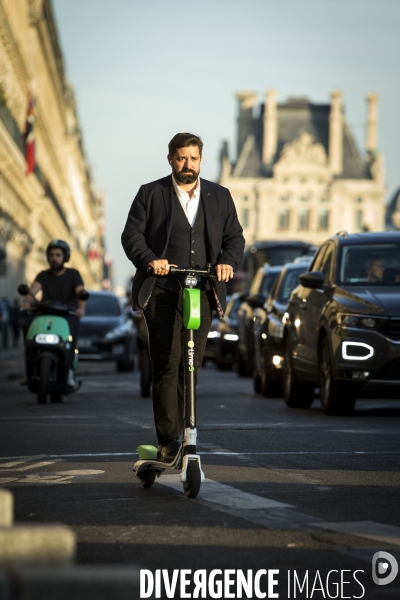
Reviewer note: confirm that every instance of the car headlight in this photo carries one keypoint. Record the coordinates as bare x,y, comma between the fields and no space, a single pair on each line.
231,337
213,334
362,321
118,331
47,338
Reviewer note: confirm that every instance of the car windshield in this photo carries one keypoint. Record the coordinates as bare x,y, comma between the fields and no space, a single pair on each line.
268,282
102,306
289,282
278,256
370,264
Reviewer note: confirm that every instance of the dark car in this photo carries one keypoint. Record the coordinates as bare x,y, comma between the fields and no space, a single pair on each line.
268,332
227,340
259,290
342,330
106,332
260,253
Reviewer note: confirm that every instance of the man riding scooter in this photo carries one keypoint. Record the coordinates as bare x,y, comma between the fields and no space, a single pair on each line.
59,283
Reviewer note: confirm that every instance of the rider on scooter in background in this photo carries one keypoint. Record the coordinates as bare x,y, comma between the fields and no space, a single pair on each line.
59,283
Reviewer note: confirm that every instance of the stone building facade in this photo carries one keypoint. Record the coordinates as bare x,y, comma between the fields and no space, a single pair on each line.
299,173
58,199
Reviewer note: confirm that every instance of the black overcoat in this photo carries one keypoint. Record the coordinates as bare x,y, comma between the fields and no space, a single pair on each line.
148,228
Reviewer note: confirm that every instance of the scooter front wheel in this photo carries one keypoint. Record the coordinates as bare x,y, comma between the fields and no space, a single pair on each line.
147,478
193,479
45,366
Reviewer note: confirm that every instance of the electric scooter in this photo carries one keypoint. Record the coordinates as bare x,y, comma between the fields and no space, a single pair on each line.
147,468
48,349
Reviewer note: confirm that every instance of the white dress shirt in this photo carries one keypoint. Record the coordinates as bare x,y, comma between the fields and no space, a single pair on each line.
189,205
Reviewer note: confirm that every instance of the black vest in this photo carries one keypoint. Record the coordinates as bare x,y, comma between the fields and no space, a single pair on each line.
187,247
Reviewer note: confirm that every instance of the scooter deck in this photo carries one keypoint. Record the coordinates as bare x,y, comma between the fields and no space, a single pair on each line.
148,460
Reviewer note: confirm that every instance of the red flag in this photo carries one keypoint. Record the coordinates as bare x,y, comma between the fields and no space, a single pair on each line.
30,137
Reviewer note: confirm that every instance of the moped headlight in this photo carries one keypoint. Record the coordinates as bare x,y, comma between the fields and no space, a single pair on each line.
47,338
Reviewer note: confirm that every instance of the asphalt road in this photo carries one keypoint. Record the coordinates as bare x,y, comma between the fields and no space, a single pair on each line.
292,490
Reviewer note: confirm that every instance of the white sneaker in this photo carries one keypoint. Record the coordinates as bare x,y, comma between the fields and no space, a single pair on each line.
71,380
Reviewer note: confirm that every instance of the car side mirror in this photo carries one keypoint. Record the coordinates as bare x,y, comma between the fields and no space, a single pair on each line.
23,289
83,295
312,279
255,300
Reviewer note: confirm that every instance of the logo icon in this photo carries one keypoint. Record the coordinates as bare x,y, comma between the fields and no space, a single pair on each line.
191,344
384,563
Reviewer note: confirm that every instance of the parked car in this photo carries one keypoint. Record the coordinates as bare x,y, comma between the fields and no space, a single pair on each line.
268,332
106,332
342,328
260,253
227,340
259,290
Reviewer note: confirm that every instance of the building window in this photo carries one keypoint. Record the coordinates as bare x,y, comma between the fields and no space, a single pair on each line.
284,198
304,199
359,200
323,220
358,219
245,217
283,219
245,198
324,199
304,220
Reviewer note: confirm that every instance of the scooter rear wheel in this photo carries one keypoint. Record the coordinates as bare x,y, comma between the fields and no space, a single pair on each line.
147,478
193,479
45,366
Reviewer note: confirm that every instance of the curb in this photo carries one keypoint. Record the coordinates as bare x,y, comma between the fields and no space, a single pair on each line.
36,545
6,508
71,583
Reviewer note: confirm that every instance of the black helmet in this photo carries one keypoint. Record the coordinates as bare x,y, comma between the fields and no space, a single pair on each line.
62,245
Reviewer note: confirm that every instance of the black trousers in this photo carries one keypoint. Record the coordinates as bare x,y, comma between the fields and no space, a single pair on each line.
163,316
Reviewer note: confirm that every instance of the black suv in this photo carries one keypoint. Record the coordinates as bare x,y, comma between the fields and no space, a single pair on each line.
342,325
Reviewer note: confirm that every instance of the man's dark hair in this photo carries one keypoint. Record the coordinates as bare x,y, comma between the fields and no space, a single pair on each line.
183,140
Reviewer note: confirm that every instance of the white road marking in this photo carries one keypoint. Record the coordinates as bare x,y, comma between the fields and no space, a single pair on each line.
390,534
36,465
23,460
224,453
224,495
48,417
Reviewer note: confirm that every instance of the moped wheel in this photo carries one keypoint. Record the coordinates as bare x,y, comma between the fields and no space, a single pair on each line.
44,370
193,479
147,478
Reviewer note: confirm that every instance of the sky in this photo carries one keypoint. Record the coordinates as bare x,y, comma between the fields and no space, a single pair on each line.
145,70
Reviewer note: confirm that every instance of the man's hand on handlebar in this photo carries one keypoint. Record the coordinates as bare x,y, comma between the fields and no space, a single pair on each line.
160,267
223,272
80,312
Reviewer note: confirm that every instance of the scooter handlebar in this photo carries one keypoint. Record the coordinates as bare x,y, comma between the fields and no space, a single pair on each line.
203,272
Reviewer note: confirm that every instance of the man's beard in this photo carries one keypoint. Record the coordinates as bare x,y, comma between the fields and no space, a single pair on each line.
186,175
56,267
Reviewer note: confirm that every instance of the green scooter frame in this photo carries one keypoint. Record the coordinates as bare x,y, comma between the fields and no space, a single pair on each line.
147,468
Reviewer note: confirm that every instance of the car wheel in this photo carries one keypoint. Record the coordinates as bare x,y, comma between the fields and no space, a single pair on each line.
241,366
222,366
334,399
270,388
256,382
297,394
125,365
